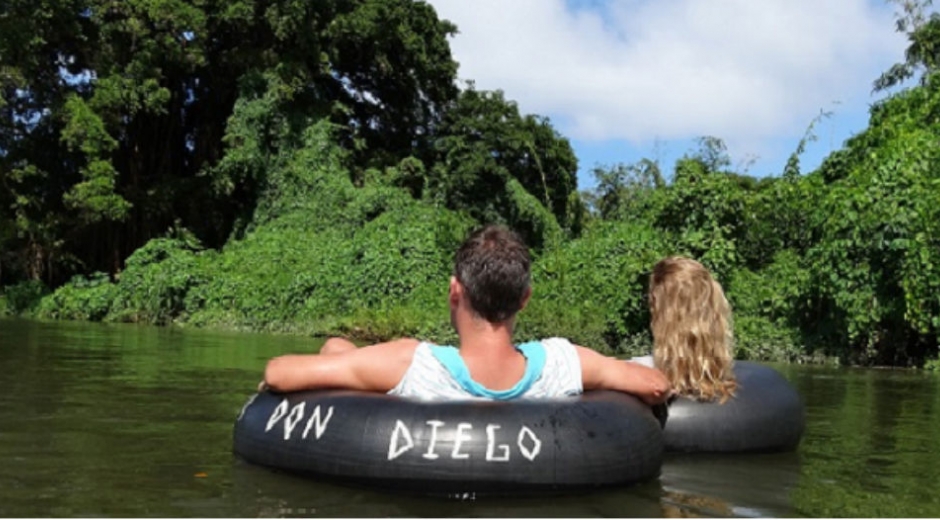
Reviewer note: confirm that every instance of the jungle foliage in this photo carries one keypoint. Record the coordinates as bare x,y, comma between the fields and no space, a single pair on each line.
284,165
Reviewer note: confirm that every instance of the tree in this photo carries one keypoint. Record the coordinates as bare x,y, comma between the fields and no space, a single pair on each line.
113,114
875,265
627,190
923,54
501,166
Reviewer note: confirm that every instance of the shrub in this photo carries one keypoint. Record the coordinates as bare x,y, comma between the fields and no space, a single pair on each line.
758,338
157,279
81,298
932,365
24,297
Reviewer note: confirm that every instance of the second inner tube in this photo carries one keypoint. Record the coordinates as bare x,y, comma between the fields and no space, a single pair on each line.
765,415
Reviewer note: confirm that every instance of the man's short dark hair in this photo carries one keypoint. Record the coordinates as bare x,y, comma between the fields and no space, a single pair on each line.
493,267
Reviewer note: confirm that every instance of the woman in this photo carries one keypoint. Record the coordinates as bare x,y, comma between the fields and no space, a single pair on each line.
692,330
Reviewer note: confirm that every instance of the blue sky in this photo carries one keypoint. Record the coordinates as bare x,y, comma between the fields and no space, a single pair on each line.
627,79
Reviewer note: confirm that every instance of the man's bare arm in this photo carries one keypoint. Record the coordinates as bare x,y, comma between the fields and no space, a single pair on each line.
376,368
602,373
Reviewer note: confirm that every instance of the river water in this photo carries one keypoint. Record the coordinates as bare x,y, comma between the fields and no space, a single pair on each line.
118,420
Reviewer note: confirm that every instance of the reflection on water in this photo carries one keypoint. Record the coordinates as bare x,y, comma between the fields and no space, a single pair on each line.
747,485
282,495
101,420
690,486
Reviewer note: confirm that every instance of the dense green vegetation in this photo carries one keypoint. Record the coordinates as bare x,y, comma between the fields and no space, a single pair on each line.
284,165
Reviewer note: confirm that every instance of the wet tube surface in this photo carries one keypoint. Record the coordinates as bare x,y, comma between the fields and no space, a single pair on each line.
765,415
597,439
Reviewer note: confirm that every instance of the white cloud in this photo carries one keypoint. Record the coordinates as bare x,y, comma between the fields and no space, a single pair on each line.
742,70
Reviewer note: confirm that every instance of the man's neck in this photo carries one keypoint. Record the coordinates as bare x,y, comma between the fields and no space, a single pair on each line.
479,337
489,354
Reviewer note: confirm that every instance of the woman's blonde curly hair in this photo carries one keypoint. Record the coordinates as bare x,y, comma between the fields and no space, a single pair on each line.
692,330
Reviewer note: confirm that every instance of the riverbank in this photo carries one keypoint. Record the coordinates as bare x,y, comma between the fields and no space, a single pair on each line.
386,279
372,326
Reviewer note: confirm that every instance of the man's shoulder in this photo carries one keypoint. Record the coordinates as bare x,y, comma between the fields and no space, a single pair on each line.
384,364
560,348
560,352
392,354
401,349
557,342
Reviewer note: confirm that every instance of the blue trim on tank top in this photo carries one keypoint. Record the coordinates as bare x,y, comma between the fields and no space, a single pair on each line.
533,351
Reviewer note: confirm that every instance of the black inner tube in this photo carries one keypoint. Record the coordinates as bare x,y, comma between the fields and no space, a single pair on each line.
766,415
597,439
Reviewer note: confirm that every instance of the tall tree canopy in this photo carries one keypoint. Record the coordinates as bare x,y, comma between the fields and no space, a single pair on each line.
500,165
113,114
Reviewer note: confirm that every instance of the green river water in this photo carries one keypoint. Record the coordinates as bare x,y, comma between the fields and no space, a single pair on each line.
116,420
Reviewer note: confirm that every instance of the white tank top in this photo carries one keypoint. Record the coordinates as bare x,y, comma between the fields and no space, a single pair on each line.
428,379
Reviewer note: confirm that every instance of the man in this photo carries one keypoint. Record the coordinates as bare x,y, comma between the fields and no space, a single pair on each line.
489,287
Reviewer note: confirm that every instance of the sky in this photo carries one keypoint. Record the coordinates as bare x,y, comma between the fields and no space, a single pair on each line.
630,79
